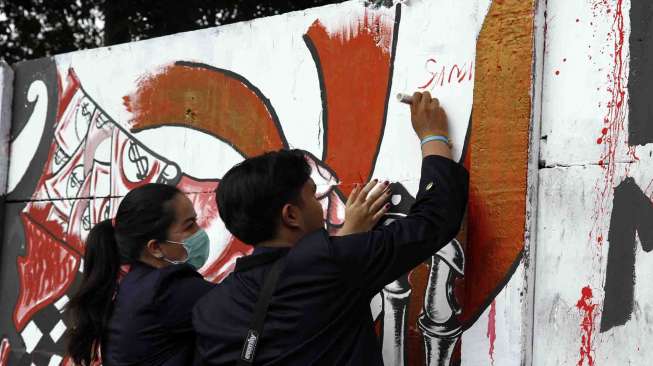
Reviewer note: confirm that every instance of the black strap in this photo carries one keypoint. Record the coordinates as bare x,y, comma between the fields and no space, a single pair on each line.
255,331
250,261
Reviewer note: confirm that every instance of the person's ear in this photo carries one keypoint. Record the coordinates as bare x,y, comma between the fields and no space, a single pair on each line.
154,249
291,216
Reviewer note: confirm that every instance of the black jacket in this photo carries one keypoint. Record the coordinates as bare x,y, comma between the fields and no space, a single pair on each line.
320,311
151,319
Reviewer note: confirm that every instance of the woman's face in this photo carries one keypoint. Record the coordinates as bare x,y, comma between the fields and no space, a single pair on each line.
183,226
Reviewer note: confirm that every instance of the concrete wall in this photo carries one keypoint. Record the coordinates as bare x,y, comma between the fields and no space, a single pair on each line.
595,220
89,126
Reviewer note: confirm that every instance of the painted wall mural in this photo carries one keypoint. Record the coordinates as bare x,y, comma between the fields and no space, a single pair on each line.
89,126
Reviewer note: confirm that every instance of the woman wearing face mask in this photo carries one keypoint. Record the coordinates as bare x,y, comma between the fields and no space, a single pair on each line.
145,317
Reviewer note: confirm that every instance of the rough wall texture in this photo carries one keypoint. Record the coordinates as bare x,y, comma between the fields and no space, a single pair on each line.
88,126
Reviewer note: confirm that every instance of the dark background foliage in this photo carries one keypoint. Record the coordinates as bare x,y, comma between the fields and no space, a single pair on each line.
36,28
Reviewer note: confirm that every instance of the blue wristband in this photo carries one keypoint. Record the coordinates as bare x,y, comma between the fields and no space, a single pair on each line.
430,138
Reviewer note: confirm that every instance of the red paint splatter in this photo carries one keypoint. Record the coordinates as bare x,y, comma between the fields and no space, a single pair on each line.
613,134
492,328
587,325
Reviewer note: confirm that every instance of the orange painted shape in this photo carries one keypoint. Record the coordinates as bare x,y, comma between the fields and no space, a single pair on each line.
354,63
498,152
215,101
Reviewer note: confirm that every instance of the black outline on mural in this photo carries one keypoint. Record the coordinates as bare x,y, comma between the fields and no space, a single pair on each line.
467,138
325,112
320,77
393,52
25,76
247,84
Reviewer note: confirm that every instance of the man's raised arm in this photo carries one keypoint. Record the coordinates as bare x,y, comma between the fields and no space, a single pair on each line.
375,258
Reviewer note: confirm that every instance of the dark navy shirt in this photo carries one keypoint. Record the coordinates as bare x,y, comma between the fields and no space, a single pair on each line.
320,310
151,319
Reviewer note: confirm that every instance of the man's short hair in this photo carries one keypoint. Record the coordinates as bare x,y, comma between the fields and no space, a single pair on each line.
252,193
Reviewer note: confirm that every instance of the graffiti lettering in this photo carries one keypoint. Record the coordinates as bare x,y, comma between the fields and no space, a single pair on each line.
441,75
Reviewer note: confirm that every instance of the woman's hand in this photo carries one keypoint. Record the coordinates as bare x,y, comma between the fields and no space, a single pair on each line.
365,207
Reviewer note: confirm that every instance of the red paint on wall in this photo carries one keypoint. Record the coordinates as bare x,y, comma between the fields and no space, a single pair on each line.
492,328
438,74
202,195
72,85
45,273
5,349
211,100
613,134
587,326
355,71
226,262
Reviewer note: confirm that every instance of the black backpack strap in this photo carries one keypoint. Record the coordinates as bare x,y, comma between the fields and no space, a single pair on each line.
255,331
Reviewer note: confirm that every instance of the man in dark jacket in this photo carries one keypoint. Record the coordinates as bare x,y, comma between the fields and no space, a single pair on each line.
319,309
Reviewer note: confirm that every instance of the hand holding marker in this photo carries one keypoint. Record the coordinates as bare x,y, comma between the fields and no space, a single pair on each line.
428,117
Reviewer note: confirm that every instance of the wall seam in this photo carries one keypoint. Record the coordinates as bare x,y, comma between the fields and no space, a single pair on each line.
530,245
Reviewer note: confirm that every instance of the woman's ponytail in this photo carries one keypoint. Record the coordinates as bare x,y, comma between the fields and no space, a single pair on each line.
90,308
145,213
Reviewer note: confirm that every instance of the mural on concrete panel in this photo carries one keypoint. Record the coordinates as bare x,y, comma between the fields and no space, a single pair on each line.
90,126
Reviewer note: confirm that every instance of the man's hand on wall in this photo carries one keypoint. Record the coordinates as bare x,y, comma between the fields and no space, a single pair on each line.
365,207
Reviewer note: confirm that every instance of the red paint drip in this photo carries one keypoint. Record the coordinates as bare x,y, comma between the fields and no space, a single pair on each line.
613,133
492,328
587,325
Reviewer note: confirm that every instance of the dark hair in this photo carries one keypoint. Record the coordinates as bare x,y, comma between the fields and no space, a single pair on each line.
252,193
144,214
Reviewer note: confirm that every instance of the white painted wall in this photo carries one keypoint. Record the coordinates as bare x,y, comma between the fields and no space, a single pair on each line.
581,70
